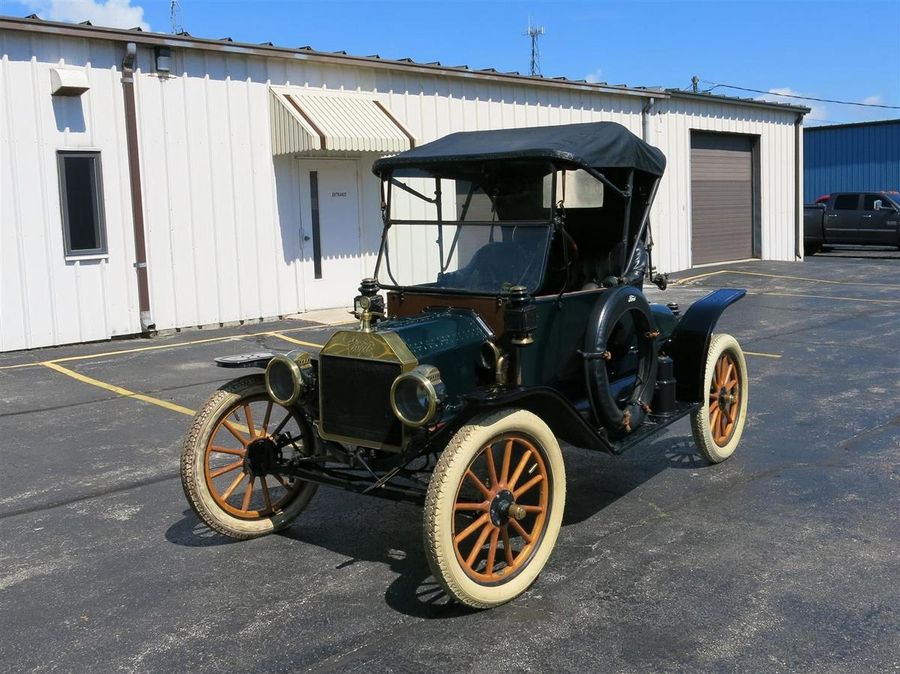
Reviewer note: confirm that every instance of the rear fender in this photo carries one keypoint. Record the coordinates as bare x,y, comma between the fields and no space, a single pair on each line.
689,343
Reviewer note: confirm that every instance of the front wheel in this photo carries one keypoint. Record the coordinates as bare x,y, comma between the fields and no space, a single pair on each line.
494,507
719,422
230,459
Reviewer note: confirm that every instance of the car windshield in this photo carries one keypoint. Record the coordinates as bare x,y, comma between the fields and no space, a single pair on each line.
467,235
476,258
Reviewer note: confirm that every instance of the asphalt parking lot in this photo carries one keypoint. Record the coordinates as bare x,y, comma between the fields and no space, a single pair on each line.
785,557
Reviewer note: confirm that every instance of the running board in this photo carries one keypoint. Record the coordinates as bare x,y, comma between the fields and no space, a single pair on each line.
652,425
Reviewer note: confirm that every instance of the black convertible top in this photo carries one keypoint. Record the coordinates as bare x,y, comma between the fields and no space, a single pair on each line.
595,145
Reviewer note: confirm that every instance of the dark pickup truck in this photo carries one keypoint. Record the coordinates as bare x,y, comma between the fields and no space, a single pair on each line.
854,218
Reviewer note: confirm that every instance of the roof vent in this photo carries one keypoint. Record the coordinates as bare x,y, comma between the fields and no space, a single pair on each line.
68,82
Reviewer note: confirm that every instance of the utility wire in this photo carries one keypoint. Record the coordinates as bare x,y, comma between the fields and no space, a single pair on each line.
805,98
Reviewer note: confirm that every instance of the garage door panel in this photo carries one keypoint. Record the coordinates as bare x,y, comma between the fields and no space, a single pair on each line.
724,166
721,197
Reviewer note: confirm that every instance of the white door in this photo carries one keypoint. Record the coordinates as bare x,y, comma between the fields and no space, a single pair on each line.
330,233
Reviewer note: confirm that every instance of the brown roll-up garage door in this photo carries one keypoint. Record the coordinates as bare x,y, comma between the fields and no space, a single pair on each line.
721,197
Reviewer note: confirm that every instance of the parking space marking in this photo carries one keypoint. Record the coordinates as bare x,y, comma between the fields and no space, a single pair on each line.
823,297
157,347
295,341
782,276
762,355
124,392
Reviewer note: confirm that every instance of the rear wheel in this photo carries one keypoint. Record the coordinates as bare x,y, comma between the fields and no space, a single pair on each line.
719,422
494,507
229,461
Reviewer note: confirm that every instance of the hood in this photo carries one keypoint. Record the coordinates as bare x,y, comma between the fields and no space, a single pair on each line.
449,339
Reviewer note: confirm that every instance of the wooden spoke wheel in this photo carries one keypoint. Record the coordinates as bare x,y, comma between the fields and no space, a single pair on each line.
724,399
719,423
231,458
494,507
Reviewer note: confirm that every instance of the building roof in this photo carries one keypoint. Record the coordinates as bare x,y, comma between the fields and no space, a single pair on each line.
183,40
738,100
848,125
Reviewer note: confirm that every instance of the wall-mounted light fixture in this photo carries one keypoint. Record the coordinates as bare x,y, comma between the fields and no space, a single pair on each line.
163,61
68,82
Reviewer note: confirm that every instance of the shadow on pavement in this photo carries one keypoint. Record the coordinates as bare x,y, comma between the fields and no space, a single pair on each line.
595,481
191,532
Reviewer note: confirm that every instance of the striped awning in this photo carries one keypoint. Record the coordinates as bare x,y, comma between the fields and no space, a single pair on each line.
342,122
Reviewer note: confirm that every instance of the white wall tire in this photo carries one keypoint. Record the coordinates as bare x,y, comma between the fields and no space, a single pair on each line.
480,546
719,422
212,456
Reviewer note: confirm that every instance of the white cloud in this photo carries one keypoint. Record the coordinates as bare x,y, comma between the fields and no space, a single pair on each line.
110,13
594,77
818,111
873,100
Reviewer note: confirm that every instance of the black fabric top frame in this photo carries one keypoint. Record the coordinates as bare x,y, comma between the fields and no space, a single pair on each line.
596,145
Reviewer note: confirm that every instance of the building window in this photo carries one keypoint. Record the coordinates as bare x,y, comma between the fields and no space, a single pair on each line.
81,196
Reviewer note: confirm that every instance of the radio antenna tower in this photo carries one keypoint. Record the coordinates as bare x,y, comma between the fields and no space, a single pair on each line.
535,32
175,17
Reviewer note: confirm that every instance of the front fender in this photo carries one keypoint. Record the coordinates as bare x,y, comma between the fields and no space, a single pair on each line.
690,341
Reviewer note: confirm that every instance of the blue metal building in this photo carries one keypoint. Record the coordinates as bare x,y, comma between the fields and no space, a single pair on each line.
851,157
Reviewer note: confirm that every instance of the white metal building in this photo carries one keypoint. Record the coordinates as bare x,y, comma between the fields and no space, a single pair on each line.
150,179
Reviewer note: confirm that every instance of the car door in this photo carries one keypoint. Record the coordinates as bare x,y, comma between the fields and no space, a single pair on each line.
842,221
878,225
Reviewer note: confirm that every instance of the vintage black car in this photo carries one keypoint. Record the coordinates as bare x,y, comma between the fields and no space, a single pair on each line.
521,323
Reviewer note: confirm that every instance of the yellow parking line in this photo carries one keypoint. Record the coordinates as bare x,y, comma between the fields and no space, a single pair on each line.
16,367
817,280
295,341
786,277
826,297
165,404
682,281
173,407
156,347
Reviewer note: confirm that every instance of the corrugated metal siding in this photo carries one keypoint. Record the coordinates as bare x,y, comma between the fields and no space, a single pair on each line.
342,122
290,132
45,299
348,122
671,123
215,187
223,217
851,158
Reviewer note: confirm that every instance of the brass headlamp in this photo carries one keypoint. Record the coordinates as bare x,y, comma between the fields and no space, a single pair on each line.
416,395
285,381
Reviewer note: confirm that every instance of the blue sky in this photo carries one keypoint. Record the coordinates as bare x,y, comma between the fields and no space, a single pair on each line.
840,50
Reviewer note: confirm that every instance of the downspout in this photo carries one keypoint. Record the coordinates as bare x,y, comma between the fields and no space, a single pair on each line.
137,200
798,186
645,119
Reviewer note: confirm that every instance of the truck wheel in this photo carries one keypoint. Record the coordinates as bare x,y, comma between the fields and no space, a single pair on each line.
811,248
224,458
494,507
719,422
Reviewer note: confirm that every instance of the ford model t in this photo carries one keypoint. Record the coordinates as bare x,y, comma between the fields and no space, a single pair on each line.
505,315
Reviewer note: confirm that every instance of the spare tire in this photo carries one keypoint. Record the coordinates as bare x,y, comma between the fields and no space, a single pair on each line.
620,329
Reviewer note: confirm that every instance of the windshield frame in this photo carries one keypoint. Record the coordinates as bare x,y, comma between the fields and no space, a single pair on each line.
387,184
